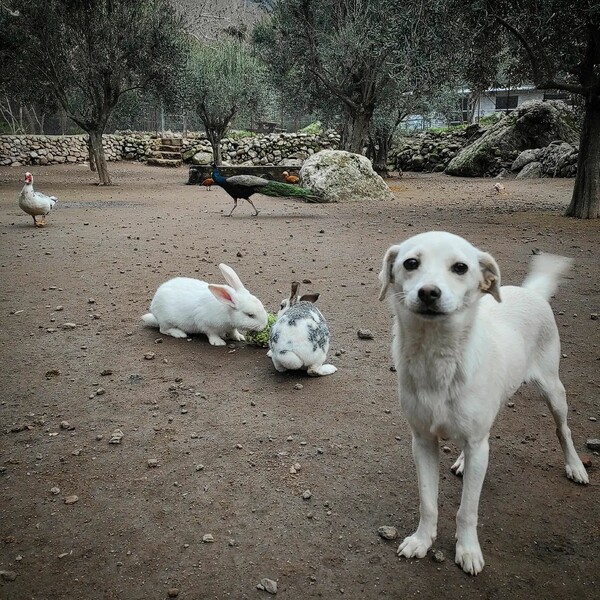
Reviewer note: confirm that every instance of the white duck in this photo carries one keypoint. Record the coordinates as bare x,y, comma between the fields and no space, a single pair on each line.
35,203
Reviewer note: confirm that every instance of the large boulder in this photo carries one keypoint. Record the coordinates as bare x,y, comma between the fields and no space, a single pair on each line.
341,176
534,124
532,170
202,158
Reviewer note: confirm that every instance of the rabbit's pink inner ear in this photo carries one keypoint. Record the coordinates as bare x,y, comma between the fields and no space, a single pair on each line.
222,294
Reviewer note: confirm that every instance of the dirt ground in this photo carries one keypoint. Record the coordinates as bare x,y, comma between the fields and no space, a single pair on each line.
225,428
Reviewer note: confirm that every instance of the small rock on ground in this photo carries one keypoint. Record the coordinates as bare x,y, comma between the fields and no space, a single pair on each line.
116,436
593,444
365,334
268,585
387,532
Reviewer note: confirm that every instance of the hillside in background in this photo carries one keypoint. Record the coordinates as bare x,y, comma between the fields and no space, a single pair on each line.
210,19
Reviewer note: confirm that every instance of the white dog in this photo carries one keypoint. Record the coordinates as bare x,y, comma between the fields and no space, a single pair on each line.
462,346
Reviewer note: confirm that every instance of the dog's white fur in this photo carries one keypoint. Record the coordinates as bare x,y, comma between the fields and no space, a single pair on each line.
462,346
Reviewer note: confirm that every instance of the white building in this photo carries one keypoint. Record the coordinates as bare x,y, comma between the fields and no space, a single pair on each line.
473,107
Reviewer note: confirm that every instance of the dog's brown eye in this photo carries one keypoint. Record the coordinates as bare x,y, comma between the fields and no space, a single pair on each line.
459,268
410,264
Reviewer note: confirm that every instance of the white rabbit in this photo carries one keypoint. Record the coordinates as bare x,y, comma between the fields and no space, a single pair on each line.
299,339
183,306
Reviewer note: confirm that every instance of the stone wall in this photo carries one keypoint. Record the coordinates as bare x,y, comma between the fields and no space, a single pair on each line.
285,149
428,152
290,149
432,152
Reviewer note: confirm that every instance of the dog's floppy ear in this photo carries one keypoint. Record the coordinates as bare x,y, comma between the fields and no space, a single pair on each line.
490,272
386,276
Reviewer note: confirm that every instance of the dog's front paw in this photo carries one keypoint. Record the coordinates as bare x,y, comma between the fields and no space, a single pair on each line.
577,473
469,558
414,546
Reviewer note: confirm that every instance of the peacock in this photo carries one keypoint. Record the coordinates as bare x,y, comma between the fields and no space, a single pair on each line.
243,186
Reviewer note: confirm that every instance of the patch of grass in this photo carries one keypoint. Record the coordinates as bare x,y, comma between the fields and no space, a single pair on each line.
315,128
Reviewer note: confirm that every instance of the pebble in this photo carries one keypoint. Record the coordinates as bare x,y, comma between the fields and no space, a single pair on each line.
199,467
106,372
268,585
150,355
294,468
8,575
298,386
594,316
306,494
69,325
173,593
387,532
208,538
152,462
55,490
71,499
593,444
64,425
438,556
365,334
586,459
116,436
100,391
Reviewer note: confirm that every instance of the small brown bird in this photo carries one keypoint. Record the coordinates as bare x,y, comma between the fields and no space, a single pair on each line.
293,179
207,183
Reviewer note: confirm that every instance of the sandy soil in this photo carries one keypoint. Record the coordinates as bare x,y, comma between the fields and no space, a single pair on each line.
225,428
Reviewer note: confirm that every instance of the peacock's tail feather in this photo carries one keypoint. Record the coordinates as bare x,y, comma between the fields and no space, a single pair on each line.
276,188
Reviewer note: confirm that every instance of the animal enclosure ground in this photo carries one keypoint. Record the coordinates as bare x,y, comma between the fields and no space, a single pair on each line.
210,434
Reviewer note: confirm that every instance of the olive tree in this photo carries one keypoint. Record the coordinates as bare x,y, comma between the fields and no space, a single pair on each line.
360,56
557,44
222,81
91,52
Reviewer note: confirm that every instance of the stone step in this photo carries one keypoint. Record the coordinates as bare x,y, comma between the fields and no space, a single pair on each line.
164,162
170,148
164,154
172,142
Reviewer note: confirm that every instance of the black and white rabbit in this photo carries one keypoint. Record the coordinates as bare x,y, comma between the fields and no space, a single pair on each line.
299,339
183,306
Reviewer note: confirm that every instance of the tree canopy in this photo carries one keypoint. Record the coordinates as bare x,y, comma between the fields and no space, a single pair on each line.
91,52
556,45
222,80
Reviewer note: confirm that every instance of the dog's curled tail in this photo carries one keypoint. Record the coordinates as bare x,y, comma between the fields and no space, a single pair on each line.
545,273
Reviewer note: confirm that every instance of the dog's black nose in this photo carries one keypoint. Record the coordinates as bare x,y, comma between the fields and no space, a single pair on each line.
428,294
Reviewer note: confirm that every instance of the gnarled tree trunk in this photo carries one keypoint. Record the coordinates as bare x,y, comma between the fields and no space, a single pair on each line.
99,158
215,137
355,131
585,203
378,150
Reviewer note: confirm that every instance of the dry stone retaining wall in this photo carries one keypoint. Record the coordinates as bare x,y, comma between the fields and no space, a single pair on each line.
290,149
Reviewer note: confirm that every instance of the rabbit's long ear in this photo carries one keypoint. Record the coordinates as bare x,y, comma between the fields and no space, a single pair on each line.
231,277
294,292
310,297
222,294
